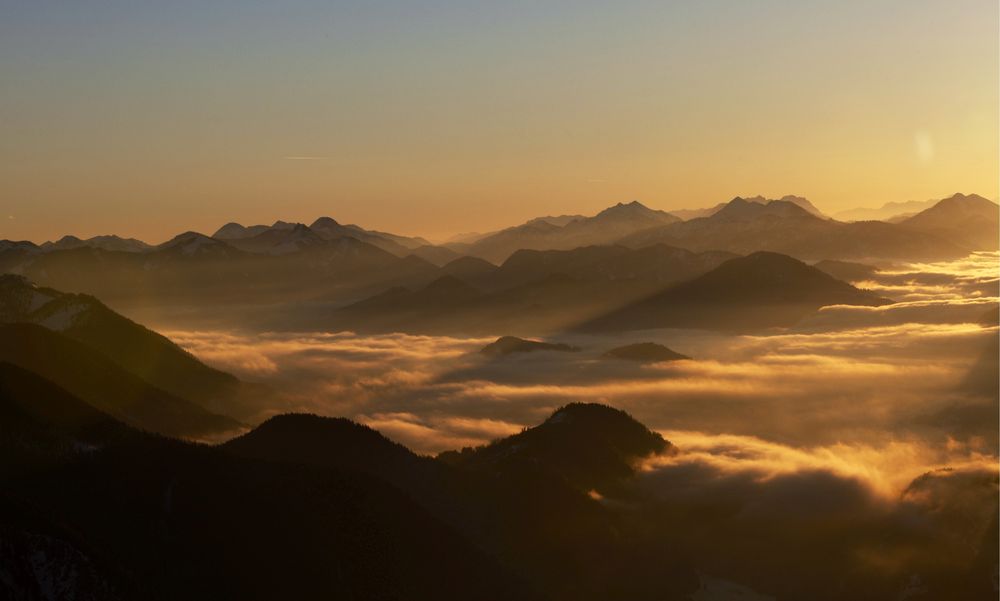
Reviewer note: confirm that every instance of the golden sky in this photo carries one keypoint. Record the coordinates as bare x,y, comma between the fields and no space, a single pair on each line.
442,117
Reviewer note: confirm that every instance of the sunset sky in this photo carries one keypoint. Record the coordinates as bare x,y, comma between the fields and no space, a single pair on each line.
147,119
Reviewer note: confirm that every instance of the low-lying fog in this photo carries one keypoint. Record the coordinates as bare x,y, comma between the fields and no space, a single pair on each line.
878,395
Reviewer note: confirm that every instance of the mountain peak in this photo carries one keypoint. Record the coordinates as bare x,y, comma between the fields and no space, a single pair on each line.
632,207
739,209
592,446
324,222
508,345
192,243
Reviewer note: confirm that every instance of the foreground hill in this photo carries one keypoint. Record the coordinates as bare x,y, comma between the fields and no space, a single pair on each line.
587,505
104,384
758,291
139,517
43,423
591,446
513,497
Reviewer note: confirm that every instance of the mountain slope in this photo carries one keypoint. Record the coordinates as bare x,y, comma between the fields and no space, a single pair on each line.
588,445
43,424
103,384
151,518
972,221
510,345
781,226
532,293
887,212
103,242
803,203
757,291
541,234
141,351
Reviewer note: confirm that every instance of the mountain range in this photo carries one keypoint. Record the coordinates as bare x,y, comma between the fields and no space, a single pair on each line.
567,232
610,288
758,291
326,274
890,211
689,214
784,227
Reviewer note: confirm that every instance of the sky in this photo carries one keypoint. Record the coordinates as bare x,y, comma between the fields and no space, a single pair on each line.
147,119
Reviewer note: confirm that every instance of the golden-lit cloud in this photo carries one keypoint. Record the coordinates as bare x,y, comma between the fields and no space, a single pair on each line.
859,376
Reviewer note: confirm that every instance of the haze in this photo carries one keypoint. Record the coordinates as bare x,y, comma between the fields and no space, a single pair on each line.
430,119
533,301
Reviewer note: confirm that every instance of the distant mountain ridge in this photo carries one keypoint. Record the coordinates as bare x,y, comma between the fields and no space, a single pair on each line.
754,292
532,293
784,227
689,214
102,242
546,266
887,212
972,219
566,232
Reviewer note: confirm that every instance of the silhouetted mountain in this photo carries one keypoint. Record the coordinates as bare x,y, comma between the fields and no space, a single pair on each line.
509,345
645,352
309,507
847,271
42,424
784,227
654,265
150,518
442,294
280,241
196,271
758,291
235,231
103,242
325,228
436,255
890,211
540,234
591,446
192,244
147,354
399,246
971,221
100,382
470,269
13,253
410,242
324,442
532,292
689,214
